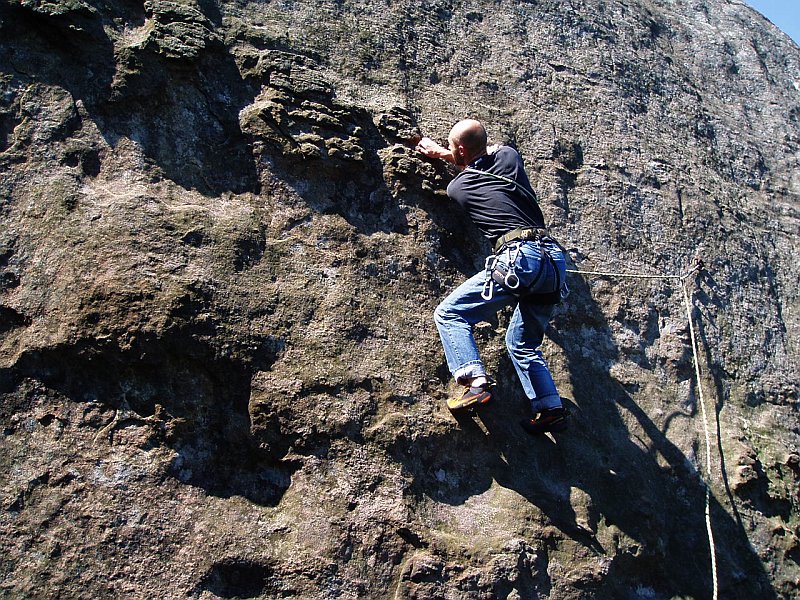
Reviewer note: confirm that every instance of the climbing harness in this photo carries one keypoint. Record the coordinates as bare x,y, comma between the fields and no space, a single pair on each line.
522,234
698,266
504,272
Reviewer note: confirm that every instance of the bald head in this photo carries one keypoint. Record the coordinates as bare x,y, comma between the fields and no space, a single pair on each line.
467,141
470,134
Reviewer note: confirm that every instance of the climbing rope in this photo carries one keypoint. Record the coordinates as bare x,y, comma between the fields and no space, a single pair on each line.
687,301
637,275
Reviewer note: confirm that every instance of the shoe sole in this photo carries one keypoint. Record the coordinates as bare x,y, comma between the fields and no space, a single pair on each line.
478,401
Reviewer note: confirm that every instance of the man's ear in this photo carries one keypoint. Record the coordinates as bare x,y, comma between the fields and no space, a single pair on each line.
462,154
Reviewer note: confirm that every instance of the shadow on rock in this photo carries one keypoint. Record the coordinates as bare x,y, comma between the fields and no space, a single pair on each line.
68,48
647,489
191,400
176,92
185,120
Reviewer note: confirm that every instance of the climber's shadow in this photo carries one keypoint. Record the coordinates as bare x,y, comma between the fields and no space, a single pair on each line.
613,482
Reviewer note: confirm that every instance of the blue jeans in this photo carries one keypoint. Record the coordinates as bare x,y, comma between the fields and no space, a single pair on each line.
465,307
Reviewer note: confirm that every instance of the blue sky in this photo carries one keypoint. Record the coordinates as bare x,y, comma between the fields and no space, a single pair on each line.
783,13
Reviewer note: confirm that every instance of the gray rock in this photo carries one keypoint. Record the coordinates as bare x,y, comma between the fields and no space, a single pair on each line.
219,257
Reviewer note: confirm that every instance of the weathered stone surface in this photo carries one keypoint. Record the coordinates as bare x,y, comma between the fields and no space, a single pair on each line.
178,30
219,255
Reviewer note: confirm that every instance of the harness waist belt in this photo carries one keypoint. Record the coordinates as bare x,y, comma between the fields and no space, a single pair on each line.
525,234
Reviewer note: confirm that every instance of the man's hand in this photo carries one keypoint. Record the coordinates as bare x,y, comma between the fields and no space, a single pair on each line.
431,149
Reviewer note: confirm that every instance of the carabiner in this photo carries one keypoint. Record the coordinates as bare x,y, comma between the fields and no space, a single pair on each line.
488,285
488,290
511,281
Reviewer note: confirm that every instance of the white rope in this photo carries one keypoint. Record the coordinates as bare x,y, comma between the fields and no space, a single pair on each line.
688,304
708,441
632,275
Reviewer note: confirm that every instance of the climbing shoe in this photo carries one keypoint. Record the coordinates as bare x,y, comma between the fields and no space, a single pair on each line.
472,396
550,419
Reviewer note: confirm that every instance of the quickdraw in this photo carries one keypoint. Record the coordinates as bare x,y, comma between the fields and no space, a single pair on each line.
510,280
488,284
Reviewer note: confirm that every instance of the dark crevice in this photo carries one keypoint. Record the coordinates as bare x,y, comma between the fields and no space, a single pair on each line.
238,578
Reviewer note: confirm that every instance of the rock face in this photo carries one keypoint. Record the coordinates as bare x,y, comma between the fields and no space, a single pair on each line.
219,256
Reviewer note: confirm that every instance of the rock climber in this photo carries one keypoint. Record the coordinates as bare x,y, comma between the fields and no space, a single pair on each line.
527,270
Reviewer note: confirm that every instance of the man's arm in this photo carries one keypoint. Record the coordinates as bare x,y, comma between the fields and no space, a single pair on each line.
433,150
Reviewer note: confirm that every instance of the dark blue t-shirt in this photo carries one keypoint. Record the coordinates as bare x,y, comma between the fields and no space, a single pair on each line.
496,206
